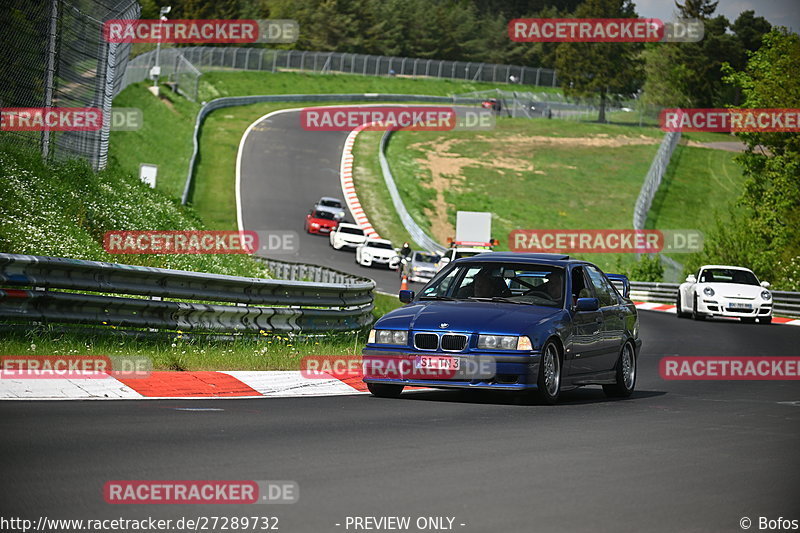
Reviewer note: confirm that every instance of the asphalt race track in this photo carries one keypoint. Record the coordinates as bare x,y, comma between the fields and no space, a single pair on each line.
284,171
677,456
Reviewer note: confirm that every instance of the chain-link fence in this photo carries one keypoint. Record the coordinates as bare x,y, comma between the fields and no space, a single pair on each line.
207,58
555,105
52,54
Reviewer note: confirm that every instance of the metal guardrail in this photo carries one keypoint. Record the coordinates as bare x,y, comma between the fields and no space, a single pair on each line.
784,303
254,304
653,179
413,229
230,101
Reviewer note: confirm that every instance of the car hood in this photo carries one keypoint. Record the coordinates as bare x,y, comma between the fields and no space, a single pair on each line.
379,252
468,317
734,289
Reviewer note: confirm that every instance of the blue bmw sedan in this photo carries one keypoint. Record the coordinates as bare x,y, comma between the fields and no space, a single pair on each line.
537,323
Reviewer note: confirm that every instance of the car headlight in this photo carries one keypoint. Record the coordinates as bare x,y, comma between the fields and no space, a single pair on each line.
504,342
708,291
341,214
388,336
314,225
766,295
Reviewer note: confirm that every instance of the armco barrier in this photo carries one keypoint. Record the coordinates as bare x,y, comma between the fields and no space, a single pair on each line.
413,229
784,303
254,304
230,101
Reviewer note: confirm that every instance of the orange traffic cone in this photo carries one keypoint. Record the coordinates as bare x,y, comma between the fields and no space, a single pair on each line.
404,283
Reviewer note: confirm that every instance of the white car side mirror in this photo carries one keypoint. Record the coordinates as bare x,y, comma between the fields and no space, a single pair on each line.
765,284
691,279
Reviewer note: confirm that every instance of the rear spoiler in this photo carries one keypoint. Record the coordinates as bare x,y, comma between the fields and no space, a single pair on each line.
622,283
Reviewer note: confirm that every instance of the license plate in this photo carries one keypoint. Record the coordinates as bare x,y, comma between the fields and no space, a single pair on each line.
437,363
737,305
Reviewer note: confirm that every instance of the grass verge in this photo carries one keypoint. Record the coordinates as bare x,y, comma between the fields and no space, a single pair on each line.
216,84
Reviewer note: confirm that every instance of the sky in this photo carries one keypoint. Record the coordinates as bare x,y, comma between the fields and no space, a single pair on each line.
777,12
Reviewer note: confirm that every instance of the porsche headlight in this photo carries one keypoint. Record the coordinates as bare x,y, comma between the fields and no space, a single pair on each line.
388,336
766,295
503,342
708,291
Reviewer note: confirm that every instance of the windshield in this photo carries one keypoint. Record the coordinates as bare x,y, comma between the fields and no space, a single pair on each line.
327,215
459,255
330,203
728,275
381,245
420,257
352,231
512,282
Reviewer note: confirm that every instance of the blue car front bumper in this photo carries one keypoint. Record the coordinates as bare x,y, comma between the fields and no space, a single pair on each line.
509,372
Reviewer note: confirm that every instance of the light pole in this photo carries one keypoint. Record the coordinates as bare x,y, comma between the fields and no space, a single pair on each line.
156,72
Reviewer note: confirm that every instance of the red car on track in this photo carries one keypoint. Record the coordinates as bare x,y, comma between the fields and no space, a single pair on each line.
321,221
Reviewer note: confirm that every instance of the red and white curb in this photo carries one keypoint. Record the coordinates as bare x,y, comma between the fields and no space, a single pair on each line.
670,308
349,188
182,385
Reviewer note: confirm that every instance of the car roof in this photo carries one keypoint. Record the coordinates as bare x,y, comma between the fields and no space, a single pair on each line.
378,240
516,257
349,225
328,209
725,266
331,198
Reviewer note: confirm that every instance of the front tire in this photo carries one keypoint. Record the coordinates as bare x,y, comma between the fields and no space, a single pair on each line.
678,309
549,381
385,390
765,320
748,320
626,374
695,314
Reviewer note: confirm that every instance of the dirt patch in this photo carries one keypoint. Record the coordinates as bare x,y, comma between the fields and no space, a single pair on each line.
599,140
446,168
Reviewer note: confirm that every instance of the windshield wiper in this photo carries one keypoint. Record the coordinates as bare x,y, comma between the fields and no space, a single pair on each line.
498,299
435,298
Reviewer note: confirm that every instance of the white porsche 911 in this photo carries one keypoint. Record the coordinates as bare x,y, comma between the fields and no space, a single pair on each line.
725,291
377,252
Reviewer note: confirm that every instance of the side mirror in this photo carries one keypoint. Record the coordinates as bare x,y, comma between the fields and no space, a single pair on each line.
587,304
691,279
406,296
765,284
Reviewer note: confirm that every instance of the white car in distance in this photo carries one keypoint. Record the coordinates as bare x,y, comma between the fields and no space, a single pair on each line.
377,252
724,291
347,236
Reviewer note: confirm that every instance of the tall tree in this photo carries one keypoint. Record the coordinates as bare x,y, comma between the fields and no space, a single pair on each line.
600,69
766,235
696,9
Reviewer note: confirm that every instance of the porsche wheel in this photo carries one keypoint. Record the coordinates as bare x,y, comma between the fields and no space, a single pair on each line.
678,308
695,314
